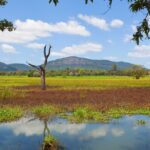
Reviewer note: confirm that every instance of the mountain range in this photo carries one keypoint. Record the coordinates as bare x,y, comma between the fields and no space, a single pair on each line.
71,62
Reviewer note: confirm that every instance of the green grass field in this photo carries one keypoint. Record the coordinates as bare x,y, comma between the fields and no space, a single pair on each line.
88,82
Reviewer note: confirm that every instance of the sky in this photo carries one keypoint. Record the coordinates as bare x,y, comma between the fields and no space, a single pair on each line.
73,29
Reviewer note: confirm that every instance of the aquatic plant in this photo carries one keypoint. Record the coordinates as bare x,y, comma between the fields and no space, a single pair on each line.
45,110
141,122
85,114
10,113
49,140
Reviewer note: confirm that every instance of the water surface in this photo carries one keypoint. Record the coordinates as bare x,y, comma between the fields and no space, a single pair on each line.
120,134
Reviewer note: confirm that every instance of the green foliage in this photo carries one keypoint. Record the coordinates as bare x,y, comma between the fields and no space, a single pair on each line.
138,71
6,25
141,122
114,67
3,2
45,110
49,140
84,114
54,1
10,113
143,29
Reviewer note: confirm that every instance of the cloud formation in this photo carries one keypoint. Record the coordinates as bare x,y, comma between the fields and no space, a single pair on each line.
76,50
101,23
30,30
97,22
116,23
6,48
141,51
35,45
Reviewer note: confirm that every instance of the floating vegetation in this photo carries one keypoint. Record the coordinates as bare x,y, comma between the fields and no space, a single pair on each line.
140,122
85,114
10,113
45,110
49,143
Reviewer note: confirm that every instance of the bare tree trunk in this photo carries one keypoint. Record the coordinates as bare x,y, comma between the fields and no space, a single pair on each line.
42,68
43,83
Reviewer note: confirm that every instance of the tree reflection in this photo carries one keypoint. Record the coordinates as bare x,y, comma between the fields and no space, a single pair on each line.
49,142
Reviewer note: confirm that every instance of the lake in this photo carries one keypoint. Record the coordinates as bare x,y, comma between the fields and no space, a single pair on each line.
119,134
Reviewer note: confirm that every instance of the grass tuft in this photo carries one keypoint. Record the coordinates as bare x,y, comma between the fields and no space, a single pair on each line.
141,122
10,113
85,114
45,110
8,92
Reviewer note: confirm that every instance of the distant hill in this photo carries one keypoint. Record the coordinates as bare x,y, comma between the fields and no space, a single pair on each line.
20,66
72,63
77,62
5,67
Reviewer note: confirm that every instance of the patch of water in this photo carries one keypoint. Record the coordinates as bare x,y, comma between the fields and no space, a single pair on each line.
120,134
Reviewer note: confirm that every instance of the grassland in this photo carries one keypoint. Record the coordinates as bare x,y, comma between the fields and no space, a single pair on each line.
86,82
97,98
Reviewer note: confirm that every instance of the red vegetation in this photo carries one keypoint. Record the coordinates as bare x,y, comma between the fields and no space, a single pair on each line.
100,99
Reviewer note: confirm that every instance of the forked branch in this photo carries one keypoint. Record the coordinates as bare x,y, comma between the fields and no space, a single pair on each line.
42,68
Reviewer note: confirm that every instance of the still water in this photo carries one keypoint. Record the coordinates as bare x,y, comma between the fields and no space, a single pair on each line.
119,134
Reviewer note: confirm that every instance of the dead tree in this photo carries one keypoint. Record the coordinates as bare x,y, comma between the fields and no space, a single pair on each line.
42,68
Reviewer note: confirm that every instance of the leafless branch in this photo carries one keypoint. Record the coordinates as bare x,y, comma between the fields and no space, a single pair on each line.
46,55
33,66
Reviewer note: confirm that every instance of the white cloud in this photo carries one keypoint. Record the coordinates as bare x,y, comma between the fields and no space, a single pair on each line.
97,22
117,132
35,45
31,30
101,23
116,23
141,51
71,27
7,48
76,50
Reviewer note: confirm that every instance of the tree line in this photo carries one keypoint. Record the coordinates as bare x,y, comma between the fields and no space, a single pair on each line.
136,71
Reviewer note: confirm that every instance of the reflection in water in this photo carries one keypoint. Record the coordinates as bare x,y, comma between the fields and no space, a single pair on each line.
122,134
49,142
46,134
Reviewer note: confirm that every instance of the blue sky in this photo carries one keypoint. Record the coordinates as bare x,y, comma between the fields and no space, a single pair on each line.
73,29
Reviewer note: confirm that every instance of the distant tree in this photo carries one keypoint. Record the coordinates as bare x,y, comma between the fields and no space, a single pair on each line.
138,71
114,67
5,24
143,29
42,68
